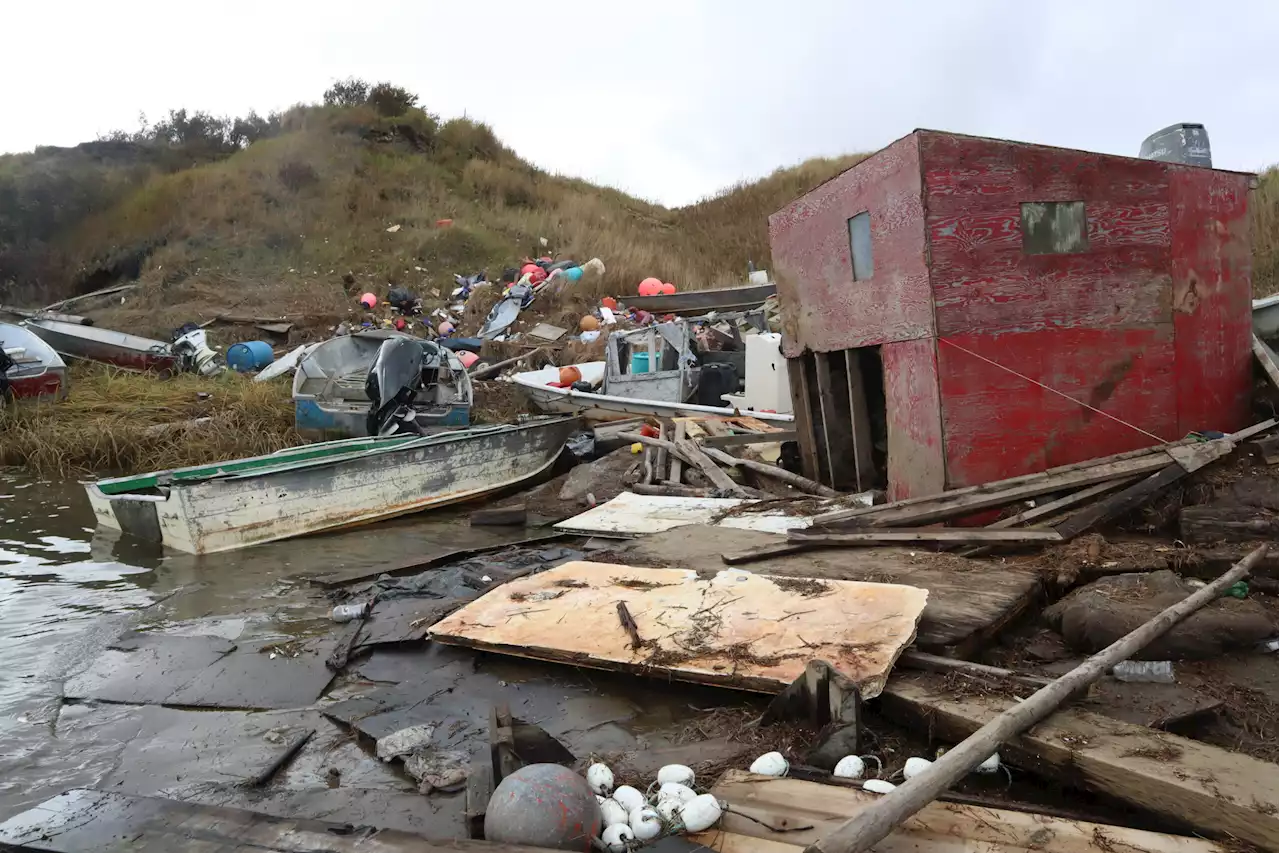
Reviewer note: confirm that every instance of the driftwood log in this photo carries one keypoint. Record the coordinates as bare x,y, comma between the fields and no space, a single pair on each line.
870,826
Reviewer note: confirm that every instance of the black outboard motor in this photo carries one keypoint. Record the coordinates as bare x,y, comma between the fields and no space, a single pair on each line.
394,380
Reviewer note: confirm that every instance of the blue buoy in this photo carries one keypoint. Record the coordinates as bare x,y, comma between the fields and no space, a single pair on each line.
249,356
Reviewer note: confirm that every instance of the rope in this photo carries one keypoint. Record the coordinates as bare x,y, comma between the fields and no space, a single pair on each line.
1055,391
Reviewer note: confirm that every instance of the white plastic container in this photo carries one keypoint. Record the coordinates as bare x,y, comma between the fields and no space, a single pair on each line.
1156,671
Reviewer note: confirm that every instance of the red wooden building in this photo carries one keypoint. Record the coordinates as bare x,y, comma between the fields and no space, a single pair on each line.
958,310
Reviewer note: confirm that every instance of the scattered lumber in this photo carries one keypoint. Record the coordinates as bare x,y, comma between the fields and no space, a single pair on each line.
35,314
1053,506
804,484
671,490
676,472
863,831
106,291
881,536
694,455
740,438
807,811
937,663
764,552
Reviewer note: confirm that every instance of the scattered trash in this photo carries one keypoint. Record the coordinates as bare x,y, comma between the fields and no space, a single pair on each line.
405,741
1154,671
393,229
350,612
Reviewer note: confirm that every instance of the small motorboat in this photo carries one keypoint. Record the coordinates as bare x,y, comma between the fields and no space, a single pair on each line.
331,394
673,370
119,349
29,367
695,302
326,486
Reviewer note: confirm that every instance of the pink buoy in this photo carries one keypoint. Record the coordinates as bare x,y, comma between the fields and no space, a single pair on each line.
650,287
467,358
668,288
445,329
369,301
528,268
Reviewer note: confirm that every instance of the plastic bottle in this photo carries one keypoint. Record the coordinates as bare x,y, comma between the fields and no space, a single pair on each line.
348,612
1157,671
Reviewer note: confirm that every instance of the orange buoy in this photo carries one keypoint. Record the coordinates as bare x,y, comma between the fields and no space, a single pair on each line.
650,287
569,375
668,288
610,303
588,323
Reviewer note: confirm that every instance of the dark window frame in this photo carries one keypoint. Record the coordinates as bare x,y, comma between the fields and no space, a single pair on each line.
1054,227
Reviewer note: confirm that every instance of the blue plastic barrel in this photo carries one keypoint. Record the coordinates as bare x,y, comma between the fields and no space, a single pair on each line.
249,356
639,362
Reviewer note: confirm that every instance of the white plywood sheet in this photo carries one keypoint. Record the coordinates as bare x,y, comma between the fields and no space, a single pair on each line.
630,514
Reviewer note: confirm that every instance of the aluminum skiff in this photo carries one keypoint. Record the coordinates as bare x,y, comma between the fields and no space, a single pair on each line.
324,486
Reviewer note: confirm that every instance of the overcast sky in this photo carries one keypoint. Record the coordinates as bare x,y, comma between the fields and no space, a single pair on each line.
670,101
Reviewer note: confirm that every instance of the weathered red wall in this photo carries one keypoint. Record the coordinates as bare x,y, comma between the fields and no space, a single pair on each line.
1212,263
823,308
1096,325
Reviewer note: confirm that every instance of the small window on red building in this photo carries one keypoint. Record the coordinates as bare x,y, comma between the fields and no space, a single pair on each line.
860,246
1054,227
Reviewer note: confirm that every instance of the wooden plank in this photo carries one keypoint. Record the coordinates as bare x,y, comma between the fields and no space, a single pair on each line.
831,422
676,465
969,600
863,461
1218,792
800,397
764,552
940,827
80,821
936,663
845,515
948,506
718,478
1268,361
1193,458
764,469
742,632
739,439
977,534
1063,502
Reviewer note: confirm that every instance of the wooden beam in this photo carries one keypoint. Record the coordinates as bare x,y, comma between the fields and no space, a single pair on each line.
738,439
864,467
949,506
1216,817
874,536
844,515
781,549
925,662
764,469
1063,502
827,411
676,472
800,407
718,478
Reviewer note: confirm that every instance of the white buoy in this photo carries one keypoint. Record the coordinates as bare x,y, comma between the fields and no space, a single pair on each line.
675,790
701,813
878,786
991,765
770,764
600,779
645,823
669,809
915,766
676,774
611,812
629,798
615,837
850,767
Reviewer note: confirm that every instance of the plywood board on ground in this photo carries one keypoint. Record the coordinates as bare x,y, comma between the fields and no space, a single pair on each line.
730,628
1219,793
630,514
939,826
969,600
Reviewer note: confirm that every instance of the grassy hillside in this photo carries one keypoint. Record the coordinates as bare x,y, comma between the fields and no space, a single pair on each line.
1264,207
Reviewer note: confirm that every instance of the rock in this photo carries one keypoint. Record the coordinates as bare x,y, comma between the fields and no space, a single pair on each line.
602,478
1098,614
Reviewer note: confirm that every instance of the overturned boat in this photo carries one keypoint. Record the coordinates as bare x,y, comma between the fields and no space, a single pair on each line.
684,368
242,502
330,392
29,367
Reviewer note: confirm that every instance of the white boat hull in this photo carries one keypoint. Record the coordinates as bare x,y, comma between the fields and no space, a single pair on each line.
222,514
602,407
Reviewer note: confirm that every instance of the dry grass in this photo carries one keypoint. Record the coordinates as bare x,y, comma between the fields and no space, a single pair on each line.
1264,209
119,422
246,234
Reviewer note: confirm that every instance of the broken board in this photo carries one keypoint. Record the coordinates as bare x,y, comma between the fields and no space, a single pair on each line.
81,821
791,805
1219,793
731,629
969,600
630,514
